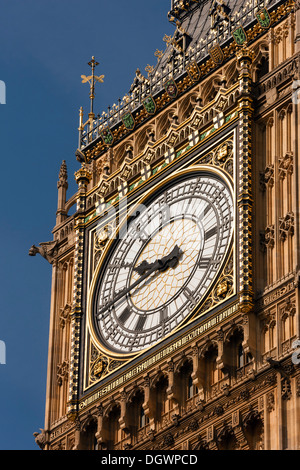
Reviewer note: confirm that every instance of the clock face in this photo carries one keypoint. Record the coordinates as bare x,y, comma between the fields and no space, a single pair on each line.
160,269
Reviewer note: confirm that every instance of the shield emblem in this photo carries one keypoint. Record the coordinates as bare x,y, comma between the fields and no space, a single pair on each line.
193,71
240,36
263,18
107,136
216,54
128,121
149,105
171,88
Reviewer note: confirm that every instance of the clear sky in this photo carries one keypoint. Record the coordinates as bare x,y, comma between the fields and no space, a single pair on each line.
45,47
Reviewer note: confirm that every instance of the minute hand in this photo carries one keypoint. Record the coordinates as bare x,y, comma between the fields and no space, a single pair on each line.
159,265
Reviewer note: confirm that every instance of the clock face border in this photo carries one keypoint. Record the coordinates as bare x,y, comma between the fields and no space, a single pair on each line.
148,196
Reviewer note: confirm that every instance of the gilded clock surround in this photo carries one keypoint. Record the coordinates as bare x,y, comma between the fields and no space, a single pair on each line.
219,156
155,189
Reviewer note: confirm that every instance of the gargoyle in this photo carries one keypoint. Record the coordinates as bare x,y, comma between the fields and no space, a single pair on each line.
40,438
47,250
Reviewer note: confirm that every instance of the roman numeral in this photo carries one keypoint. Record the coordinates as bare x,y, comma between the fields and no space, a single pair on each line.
124,315
189,296
213,231
140,323
164,215
163,315
207,209
204,263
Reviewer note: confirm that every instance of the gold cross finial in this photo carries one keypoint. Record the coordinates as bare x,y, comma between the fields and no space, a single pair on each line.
91,79
92,63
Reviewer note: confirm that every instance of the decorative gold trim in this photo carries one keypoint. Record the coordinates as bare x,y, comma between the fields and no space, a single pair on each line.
199,158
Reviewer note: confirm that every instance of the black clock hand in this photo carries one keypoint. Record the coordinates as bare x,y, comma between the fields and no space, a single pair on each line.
170,260
125,291
165,263
143,267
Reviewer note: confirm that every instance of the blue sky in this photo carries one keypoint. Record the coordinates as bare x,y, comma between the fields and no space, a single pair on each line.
45,47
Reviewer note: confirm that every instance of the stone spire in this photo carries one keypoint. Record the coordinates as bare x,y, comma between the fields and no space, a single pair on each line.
62,186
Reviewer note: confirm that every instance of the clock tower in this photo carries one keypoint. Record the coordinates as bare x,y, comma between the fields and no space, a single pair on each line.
175,285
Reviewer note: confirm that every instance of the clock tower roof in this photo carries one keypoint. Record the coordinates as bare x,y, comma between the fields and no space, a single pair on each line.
203,29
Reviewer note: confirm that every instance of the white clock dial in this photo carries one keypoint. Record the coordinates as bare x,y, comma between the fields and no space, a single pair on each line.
157,273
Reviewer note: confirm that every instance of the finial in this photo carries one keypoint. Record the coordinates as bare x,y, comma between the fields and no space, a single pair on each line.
63,175
91,79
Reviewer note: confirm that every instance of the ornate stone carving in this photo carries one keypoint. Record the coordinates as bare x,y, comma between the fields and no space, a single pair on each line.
127,446
251,417
63,176
286,226
267,177
271,379
238,432
225,433
62,372
40,438
65,315
267,238
286,390
286,165
168,440
211,438
270,402
267,321
193,425
245,395
104,164
47,250
201,444
126,172
288,310
151,435
175,419
218,410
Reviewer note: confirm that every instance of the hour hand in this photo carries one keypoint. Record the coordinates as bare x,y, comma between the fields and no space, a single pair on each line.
143,267
169,261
